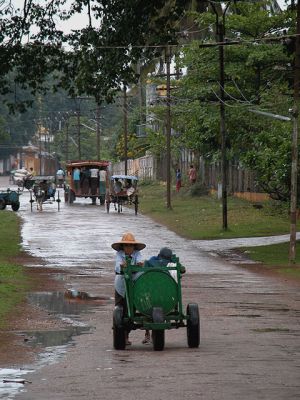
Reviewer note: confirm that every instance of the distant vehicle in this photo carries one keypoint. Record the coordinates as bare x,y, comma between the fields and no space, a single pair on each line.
122,191
86,179
9,198
21,178
43,191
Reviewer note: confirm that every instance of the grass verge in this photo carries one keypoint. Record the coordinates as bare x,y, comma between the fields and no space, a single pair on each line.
13,281
200,217
275,255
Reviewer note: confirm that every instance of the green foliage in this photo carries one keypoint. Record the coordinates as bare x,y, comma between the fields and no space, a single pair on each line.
257,76
198,190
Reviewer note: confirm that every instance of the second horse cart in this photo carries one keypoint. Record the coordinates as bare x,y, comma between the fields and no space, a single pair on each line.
123,190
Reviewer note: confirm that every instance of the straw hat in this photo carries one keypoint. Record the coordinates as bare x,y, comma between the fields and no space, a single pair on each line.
128,238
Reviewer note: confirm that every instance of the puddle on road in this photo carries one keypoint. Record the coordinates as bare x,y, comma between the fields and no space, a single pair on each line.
53,342
68,310
9,389
58,304
53,338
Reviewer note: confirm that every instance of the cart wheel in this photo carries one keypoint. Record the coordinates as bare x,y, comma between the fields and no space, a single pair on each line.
118,329
15,206
158,336
193,325
107,206
71,196
119,206
58,201
102,200
31,200
66,195
136,204
2,204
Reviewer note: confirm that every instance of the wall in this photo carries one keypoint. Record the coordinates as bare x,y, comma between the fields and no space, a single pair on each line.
150,168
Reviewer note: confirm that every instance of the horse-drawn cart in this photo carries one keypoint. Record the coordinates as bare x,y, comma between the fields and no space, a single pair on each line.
43,191
154,302
122,191
86,179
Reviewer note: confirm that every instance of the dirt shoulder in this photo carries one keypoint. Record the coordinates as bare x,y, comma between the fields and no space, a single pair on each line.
28,317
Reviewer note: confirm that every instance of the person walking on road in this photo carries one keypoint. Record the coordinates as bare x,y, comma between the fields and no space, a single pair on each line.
126,247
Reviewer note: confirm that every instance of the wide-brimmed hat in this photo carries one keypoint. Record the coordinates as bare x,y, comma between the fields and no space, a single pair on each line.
128,238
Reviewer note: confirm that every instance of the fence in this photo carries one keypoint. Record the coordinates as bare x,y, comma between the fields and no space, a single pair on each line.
239,180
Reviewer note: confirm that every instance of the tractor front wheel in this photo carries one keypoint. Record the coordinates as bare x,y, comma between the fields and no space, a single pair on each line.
158,335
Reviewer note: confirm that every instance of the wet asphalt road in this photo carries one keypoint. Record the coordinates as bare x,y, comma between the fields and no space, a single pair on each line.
250,337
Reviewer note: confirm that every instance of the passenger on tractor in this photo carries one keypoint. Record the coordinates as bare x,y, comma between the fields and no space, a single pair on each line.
163,259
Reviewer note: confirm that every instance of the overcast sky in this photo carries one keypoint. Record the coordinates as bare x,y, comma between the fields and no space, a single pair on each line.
78,21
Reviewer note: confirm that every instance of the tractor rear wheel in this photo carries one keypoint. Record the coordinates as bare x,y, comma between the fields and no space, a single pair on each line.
193,325
15,206
119,332
2,204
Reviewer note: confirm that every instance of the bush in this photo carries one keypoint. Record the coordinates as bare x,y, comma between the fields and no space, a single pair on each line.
198,189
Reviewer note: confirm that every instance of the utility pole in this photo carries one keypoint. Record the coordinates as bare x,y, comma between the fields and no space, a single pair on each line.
40,147
140,91
125,128
67,139
78,133
295,114
98,130
168,126
220,31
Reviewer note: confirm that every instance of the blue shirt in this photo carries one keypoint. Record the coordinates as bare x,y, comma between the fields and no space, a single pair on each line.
76,174
136,257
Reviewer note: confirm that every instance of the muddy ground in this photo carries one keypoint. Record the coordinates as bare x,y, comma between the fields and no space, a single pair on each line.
250,332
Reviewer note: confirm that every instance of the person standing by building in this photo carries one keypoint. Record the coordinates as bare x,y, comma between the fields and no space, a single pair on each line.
192,174
178,179
32,171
